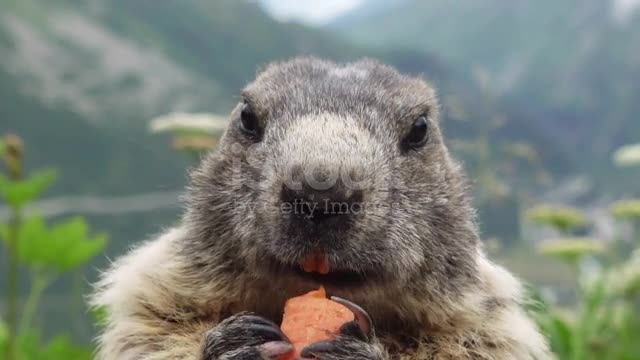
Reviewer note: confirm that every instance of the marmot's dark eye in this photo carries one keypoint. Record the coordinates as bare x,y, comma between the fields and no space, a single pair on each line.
249,123
419,133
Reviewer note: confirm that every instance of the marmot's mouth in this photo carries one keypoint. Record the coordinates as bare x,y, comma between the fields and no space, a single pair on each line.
323,275
338,278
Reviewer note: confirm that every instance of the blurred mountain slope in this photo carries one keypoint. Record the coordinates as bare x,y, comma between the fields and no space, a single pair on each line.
572,65
109,59
81,79
96,71
88,75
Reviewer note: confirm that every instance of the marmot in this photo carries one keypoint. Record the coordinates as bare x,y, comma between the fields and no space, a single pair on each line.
343,164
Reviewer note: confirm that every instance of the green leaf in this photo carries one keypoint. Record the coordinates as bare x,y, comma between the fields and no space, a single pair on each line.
63,247
61,348
83,252
598,312
595,295
3,332
3,147
71,245
31,347
18,193
4,232
561,334
33,242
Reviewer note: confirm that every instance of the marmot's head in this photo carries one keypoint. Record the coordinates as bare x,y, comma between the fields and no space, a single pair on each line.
335,175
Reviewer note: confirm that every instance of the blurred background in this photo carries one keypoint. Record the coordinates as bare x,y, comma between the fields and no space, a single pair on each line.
105,104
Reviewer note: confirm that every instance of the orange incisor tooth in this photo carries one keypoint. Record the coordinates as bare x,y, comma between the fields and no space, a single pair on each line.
322,264
309,264
316,263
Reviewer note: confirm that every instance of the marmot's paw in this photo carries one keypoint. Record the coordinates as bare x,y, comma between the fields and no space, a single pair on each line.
357,340
245,337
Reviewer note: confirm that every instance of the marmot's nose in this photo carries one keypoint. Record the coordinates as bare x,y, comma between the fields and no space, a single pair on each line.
320,206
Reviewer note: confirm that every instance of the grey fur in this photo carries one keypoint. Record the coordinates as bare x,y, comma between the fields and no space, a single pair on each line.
423,277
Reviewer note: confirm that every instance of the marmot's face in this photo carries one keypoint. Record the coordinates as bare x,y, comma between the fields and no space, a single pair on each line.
337,175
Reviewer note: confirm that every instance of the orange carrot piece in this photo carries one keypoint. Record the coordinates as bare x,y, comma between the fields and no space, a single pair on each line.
311,318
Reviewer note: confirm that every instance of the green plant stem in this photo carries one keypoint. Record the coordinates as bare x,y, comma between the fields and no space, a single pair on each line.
39,283
78,287
577,341
12,283
13,160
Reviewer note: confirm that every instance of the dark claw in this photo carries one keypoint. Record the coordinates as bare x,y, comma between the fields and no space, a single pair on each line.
260,320
245,337
315,349
353,329
274,349
362,318
268,332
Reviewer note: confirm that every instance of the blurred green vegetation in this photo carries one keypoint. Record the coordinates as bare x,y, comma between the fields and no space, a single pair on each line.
603,322
44,253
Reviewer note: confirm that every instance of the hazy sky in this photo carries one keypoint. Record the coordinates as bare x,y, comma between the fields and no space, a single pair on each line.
318,12
309,11
624,6
628,3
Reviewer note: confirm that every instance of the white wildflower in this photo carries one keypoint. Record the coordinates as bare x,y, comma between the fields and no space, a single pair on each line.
199,122
627,155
